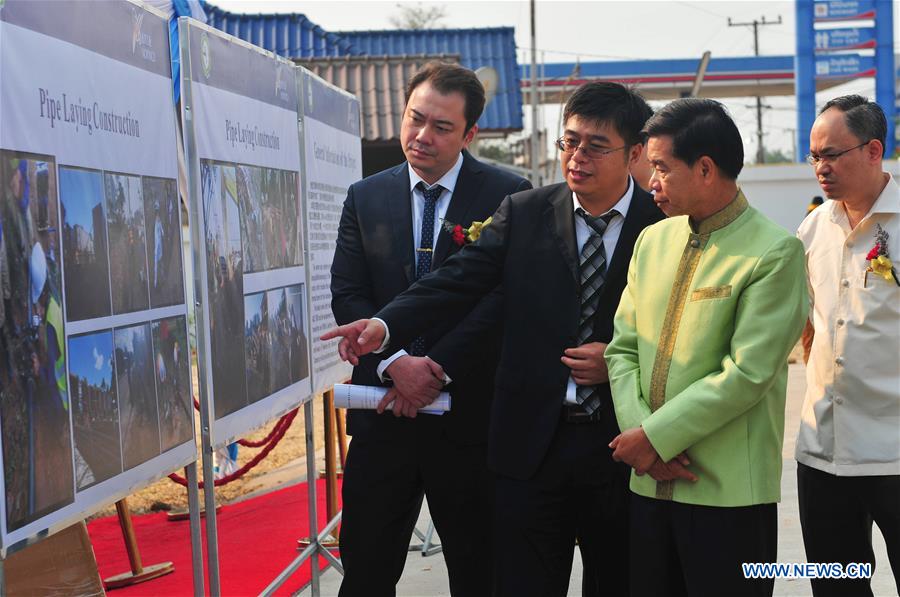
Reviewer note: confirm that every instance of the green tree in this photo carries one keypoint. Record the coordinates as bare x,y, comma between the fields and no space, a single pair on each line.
495,151
776,156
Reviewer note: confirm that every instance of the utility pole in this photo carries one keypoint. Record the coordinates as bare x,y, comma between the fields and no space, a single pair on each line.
760,150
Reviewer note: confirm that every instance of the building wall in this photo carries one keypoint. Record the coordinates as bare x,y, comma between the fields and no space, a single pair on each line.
783,191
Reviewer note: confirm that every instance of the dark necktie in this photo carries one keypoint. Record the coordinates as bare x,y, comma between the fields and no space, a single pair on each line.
593,273
425,251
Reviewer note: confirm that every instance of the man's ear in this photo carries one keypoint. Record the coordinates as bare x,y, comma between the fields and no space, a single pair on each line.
874,150
634,154
470,134
707,168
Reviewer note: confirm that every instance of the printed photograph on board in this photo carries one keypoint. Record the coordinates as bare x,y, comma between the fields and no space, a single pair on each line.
34,400
225,283
95,408
127,242
257,346
137,394
296,302
293,228
281,217
173,382
84,243
249,193
279,332
164,266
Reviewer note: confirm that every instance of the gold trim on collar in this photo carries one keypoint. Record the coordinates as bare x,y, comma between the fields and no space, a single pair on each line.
723,217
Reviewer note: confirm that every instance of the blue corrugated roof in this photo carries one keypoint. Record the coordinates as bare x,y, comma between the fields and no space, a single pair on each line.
494,47
290,35
295,36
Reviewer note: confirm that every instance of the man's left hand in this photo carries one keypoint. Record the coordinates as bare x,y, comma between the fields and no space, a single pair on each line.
633,448
587,363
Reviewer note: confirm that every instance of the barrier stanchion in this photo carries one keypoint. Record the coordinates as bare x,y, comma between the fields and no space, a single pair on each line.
342,437
316,539
138,573
331,464
330,474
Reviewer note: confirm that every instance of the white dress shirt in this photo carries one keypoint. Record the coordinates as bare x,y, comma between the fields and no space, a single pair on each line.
850,422
448,181
610,239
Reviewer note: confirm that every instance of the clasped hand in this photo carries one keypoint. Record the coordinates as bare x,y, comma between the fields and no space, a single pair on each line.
634,448
417,380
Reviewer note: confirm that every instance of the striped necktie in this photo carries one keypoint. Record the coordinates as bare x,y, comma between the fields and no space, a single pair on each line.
593,273
425,251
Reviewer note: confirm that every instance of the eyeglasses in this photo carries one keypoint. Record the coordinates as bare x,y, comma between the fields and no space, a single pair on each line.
814,159
591,152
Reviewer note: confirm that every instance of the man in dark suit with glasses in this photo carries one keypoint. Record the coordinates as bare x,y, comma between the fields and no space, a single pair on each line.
561,253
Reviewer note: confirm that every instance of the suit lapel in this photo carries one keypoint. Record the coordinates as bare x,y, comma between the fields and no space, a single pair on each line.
635,220
400,206
559,217
464,197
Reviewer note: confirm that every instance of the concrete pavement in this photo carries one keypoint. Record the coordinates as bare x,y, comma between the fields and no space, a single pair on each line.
427,576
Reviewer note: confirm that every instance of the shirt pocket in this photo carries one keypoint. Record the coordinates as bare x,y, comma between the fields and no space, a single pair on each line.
711,292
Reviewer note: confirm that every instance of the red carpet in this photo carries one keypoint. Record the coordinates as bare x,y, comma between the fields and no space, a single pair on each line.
257,540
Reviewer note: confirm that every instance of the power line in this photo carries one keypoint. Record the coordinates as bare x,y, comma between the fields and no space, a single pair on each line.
709,12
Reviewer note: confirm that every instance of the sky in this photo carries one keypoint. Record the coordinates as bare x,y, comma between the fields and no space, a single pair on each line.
608,30
89,357
81,192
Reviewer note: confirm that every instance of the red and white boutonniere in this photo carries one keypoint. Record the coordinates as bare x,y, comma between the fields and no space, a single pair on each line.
463,236
879,261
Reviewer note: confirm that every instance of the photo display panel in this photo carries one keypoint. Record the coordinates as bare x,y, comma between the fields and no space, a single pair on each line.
243,113
333,160
95,383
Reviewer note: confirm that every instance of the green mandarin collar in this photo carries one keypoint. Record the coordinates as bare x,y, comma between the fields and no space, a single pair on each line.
723,217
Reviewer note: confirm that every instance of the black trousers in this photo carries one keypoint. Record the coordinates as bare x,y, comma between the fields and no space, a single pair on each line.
836,514
384,483
578,492
683,549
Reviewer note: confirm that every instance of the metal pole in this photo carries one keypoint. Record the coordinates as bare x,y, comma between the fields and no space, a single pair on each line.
311,496
202,323
209,501
885,78
190,473
535,167
804,76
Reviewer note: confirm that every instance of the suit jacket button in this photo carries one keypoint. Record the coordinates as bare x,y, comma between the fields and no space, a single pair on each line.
695,243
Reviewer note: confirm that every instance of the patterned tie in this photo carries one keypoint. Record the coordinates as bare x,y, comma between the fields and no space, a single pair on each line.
593,273
424,253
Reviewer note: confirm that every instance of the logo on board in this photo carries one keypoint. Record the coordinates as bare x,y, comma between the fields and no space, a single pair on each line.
205,55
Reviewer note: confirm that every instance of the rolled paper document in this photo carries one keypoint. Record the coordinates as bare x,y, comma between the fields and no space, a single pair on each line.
368,397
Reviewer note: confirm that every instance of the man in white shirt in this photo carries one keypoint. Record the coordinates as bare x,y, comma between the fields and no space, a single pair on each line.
848,450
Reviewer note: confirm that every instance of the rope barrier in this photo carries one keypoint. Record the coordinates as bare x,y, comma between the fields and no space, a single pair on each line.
246,442
271,441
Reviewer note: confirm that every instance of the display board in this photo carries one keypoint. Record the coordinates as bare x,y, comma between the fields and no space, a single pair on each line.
333,161
241,115
95,385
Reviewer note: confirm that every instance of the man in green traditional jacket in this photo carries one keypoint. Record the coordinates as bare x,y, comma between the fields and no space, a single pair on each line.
716,299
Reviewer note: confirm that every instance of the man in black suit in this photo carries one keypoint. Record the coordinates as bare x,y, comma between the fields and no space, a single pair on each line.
561,254
391,233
